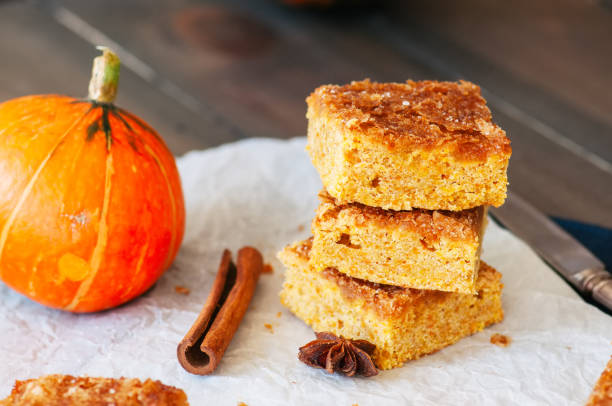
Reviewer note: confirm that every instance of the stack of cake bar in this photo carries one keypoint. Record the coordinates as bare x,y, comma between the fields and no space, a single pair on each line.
409,170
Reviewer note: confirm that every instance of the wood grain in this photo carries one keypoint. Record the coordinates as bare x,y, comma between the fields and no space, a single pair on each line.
232,69
47,58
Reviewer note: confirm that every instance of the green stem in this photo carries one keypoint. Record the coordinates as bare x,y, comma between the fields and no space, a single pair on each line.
104,77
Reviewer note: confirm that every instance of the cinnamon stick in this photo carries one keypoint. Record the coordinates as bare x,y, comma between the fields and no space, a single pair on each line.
206,341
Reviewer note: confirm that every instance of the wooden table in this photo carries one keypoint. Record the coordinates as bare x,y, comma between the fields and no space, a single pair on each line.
208,72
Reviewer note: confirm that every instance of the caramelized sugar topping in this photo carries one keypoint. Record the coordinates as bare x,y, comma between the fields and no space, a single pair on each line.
430,224
389,301
424,114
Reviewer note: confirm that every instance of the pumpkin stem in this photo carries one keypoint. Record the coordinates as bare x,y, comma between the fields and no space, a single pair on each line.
104,76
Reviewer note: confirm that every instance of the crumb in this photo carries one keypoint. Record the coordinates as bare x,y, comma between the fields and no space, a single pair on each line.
301,227
279,314
500,340
182,290
269,327
268,268
568,347
294,382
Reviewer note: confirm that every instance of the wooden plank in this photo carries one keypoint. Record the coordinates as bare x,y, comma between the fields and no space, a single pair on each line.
40,56
253,63
561,46
261,90
554,180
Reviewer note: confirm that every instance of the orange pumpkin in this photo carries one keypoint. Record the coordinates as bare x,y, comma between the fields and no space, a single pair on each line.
91,206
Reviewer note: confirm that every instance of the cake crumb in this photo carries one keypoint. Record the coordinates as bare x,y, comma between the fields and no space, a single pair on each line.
182,290
267,268
301,227
500,340
269,327
279,314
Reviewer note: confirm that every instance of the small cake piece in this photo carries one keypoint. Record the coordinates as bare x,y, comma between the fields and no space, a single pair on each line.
420,249
602,392
430,145
403,323
52,390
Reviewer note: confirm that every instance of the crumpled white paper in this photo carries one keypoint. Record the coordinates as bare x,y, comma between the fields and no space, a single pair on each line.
262,192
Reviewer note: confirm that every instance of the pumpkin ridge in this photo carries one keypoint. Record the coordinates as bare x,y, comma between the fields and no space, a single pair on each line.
96,256
172,203
117,113
103,123
139,264
107,128
28,188
72,166
92,129
129,129
144,126
82,146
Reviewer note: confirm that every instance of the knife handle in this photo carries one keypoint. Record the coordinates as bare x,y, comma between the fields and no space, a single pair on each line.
598,284
602,293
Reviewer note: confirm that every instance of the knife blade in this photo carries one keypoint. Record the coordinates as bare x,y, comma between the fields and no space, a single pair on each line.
562,252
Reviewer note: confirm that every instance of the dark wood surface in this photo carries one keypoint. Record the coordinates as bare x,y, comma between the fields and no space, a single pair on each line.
209,72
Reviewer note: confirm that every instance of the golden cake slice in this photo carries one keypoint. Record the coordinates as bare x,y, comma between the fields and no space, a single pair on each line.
420,249
403,323
430,145
602,392
52,390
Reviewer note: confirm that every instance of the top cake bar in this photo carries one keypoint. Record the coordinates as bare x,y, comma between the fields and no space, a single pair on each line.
428,145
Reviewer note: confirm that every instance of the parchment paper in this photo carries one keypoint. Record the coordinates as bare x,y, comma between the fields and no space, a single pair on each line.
263,193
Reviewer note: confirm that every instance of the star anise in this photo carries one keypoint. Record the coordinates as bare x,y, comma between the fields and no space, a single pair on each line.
338,354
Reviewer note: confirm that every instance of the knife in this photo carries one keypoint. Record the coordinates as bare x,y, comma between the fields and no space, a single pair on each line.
562,252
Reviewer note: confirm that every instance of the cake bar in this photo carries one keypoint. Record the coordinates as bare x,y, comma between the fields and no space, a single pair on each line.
429,145
403,323
58,390
420,249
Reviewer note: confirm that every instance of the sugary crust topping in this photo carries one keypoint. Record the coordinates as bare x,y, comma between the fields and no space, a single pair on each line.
391,301
388,300
406,116
431,225
67,389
